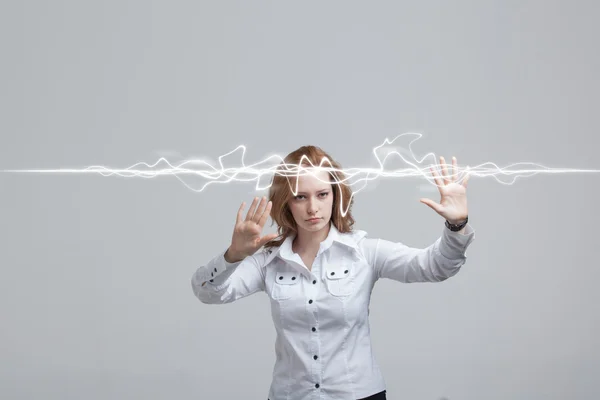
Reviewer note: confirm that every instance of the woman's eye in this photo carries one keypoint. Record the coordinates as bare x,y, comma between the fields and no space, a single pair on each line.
300,196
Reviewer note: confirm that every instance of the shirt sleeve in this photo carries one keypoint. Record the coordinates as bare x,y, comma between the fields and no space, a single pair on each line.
220,282
435,263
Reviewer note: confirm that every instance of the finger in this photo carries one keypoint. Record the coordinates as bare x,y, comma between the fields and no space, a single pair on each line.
240,213
265,214
466,180
267,239
251,209
454,169
436,178
432,204
444,170
260,209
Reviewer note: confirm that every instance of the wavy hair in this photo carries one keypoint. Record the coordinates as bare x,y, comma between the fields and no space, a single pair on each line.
280,192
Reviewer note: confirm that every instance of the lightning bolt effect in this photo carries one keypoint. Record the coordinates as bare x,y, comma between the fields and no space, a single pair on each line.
353,177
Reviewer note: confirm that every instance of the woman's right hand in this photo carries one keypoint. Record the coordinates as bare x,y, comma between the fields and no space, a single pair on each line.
246,239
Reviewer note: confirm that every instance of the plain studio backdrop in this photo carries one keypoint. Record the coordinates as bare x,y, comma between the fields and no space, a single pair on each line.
95,295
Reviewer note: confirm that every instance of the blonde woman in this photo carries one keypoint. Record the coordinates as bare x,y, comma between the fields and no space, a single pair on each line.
319,274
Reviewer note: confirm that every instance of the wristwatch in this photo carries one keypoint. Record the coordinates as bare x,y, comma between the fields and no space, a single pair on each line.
457,227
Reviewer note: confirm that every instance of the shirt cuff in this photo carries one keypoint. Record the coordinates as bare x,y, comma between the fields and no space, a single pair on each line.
453,245
218,270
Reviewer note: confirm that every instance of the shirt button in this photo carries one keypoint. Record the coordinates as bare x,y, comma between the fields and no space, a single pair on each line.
317,385
310,302
314,282
315,357
314,329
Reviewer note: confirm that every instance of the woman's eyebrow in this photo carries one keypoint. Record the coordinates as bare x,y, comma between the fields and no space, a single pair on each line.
318,191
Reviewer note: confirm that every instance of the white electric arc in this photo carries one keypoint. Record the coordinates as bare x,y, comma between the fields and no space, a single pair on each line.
352,176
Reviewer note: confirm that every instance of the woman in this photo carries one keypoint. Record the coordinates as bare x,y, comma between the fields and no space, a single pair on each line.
319,273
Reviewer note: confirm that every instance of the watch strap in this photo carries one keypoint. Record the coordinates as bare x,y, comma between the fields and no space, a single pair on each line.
457,227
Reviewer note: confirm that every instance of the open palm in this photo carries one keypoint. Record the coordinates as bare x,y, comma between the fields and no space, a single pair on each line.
246,238
453,202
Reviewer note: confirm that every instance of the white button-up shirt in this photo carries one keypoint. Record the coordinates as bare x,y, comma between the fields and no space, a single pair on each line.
321,316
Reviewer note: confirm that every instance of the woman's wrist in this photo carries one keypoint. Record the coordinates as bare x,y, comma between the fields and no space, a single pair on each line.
232,257
457,225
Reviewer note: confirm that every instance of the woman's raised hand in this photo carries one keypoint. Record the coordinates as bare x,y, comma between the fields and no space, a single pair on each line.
453,203
246,238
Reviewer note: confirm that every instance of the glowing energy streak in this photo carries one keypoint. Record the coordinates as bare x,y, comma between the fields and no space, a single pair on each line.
352,176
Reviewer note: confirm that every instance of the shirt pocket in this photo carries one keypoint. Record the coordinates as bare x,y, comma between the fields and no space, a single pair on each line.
339,278
286,284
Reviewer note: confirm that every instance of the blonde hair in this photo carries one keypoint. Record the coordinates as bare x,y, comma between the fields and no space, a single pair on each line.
280,193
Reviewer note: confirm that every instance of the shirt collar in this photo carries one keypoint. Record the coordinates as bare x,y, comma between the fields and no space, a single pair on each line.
349,239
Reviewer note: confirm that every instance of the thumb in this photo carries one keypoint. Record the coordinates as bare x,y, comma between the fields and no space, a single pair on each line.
267,238
432,204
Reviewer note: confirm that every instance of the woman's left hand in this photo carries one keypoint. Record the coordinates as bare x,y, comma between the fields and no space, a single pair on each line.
453,204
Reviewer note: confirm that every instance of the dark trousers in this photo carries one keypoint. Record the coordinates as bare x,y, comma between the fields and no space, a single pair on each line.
376,396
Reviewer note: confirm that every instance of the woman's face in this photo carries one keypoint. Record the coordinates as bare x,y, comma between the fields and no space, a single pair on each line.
313,204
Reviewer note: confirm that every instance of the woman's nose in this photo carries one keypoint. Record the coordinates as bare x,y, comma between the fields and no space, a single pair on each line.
312,206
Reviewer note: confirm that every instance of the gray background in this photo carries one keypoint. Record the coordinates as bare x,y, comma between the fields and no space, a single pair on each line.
95,296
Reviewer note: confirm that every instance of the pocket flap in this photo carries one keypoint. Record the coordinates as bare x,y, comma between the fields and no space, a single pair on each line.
287,277
335,272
